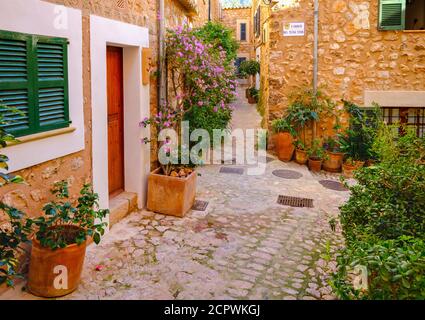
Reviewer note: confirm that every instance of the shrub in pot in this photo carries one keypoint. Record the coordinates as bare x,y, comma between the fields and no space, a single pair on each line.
284,137
335,156
301,156
253,95
60,241
249,68
316,155
199,80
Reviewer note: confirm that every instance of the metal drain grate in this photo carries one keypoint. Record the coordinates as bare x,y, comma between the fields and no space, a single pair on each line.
231,170
287,174
333,185
295,202
200,205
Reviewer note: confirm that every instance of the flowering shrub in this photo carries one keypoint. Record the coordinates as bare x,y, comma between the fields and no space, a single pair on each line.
198,75
198,80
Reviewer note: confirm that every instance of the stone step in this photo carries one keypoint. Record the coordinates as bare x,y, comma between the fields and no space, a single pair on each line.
121,205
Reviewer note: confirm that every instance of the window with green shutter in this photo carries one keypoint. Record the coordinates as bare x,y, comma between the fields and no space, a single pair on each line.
33,80
392,14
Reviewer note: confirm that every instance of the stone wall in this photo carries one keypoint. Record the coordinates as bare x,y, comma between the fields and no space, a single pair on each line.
229,19
354,56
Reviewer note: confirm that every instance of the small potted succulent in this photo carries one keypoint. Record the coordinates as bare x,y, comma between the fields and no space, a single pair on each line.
335,156
284,137
316,155
301,156
60,239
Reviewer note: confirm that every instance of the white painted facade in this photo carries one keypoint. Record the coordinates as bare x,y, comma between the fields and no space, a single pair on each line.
132,39
41,18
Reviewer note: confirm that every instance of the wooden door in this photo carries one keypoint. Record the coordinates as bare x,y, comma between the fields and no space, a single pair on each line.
115,119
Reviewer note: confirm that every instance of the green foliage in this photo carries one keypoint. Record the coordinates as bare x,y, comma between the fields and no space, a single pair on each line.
255,93
249,68
283,125
383,221
357,140
395,269
65,224
316,151
6,138
208,118
219,36
12,236
332,144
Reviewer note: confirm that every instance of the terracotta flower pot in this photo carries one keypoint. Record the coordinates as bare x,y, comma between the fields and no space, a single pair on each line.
171,195
333,163
349,168
284,146
251,100
301,156
315,165
55,273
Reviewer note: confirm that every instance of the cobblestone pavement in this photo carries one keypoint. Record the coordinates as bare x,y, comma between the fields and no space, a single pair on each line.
244,246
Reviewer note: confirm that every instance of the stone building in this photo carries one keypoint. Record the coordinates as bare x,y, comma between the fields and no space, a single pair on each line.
74,68
236,16
368,51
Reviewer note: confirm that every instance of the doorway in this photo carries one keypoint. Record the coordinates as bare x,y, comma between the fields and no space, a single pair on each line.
115,93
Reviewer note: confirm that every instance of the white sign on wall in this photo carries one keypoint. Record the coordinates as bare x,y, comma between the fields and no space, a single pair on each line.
293,29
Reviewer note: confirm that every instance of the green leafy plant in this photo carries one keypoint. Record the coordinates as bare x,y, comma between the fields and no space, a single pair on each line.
249,68
395,269
357,140
305,109
283,125
316,151
67,223
14,233
255,93
332,144
299,145
383,221
218,35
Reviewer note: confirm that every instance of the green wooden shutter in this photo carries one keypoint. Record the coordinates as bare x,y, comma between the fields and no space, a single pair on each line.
15,89
392,14
52,83
34,80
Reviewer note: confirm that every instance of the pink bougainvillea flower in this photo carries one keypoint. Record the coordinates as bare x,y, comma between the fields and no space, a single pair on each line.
99,267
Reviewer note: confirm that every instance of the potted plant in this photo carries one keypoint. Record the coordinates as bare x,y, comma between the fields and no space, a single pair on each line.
301,156
316,155
60,240
199,79
284,137
335,156
253,95
249,68
357,140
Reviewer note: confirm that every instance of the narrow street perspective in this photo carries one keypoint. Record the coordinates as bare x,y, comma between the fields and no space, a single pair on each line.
212,150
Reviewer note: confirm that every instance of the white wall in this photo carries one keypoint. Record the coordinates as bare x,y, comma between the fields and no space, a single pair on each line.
132,38
41,18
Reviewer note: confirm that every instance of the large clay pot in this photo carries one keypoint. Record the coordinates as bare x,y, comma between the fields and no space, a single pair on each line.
333,163
252,100
284,146
171,195
315,165
48,269
301,156
349,168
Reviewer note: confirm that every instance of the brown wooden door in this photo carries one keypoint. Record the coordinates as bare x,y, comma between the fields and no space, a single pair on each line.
115,119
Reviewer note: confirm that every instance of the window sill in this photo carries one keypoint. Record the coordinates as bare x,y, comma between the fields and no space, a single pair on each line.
414,31
41,135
